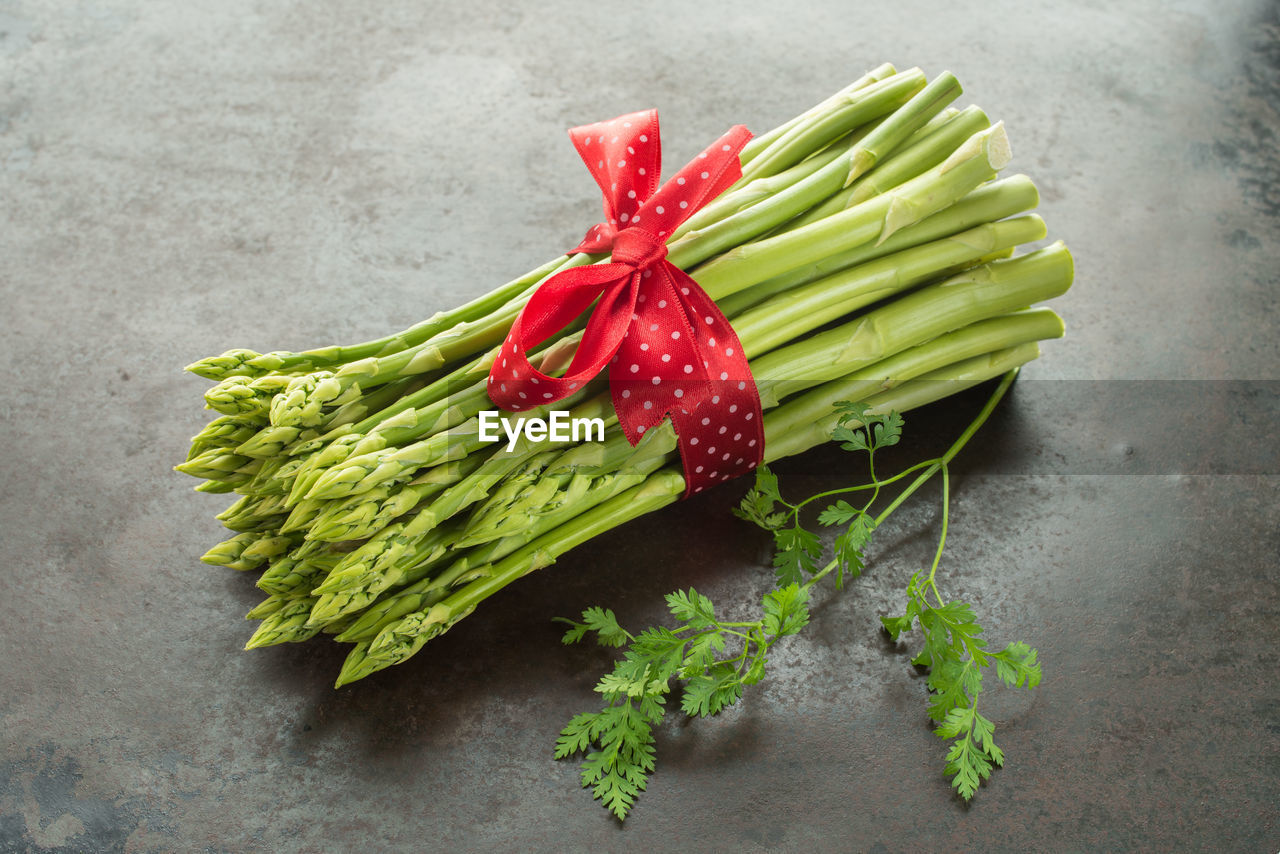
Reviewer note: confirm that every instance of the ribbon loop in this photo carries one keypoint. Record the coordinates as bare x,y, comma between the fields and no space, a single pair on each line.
673,352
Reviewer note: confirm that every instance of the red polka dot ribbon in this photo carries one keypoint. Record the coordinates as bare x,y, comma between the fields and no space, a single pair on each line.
671,350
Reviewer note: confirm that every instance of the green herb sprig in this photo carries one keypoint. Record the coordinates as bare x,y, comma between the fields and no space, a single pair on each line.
713,659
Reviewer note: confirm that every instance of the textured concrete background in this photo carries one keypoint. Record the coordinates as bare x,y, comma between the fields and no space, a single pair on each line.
178,178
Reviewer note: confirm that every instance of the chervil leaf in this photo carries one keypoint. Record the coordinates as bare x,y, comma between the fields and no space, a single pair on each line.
691,607
851,439
984,731
797,554
837,514
701,651
708,693
970,759
850,544
888,429
605,625
767,484
575,633
956,684
786,610
617,772
1016,666
760,503
576,736
953,626
848,411
662,649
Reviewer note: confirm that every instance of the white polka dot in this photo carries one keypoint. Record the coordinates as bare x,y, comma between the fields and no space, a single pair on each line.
504,363
653,327
631,194
724,375
741,386
644,138
624,217
644,346
600,165
648,404
711,450
666,357
711,342
660,209
723,430
751,444
647,273
621,163
738,461
533,380
628,124
635,368
515,374
657,380
640,429
642,171
698,470
612,141
588,142
626,392
725,457
706,421
602,139
679,392
675,336
706,175
641,298
724,148
522,395
703,155
503,386
708,320
546,395
715,399
684,291
634,221
693,441
680,181
733,407
688,369
728,351
684,205
750,415
662,303
572,386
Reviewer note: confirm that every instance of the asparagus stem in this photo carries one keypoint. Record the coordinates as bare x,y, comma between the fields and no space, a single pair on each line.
988,203
404,637
758,144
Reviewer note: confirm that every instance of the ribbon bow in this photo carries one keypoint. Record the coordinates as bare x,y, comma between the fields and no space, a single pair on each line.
671,349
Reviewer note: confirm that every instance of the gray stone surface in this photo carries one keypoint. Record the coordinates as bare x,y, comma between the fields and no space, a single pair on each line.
178,178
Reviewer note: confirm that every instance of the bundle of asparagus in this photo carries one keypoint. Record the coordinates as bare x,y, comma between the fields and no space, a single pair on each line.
865,255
